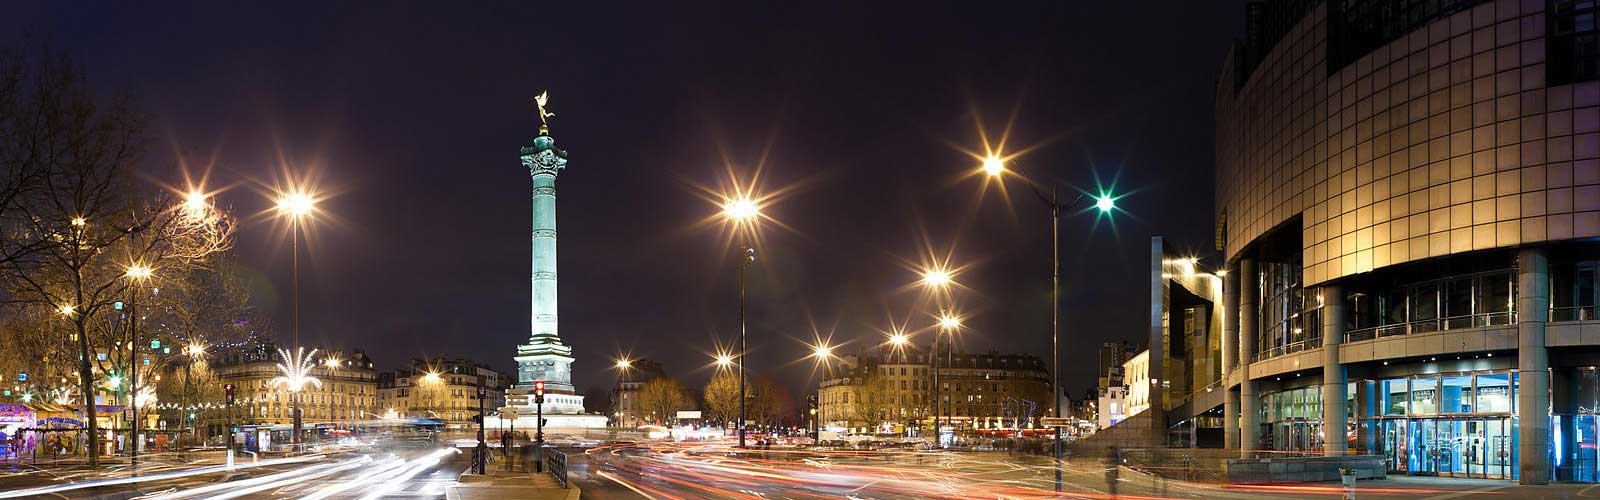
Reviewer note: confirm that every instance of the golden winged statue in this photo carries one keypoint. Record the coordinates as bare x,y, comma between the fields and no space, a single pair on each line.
544,115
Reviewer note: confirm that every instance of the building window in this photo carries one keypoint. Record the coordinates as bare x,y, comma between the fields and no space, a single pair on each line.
1574,48
1573,291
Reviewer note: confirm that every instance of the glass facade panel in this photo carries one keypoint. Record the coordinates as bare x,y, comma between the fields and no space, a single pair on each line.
1393,396
1424,396
1455,394
1458,303
1424,300
1494,393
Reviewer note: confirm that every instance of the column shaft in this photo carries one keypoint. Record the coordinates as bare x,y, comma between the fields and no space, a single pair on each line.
1334,405
1249,404
1230,357
1533,363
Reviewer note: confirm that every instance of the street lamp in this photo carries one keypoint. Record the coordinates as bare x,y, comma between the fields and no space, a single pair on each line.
295,205
622,365
948,324
137,274
194,351
742,211
1103,202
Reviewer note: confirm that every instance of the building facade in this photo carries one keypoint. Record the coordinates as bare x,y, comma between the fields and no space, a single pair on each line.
891,391
347,396
442,389
1408,202
1137,369
625,397
1112,356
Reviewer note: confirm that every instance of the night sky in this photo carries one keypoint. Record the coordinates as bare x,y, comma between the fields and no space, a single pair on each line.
412,116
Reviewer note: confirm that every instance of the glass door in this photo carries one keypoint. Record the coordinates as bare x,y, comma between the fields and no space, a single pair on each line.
1584,442
1497,444
1424,447
1449,448
1393,439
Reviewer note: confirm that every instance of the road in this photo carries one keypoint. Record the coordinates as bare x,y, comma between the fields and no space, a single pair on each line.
718,471
357,473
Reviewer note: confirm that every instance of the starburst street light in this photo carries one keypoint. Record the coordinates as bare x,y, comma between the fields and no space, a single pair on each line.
623,364
296,204
949,322
139,271
899,340
821,352
724,361
993,165
741,209
332,362
936,277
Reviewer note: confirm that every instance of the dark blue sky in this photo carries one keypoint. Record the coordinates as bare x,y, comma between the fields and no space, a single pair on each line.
413,113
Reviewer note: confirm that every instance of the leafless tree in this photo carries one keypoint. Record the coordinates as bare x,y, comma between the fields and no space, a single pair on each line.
90,222
661,398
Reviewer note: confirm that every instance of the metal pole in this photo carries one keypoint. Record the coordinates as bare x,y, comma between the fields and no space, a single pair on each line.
744,263
1055,323
133,380
538,436
933,358
483,448
294,250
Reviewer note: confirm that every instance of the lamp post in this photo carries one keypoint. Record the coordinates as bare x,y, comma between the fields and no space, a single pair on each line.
622,365
136,273
995,167
295,205
742,211
193,351
948,324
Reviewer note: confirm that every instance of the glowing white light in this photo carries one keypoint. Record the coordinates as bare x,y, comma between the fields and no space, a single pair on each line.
296,370
1105,203
742,208
993,165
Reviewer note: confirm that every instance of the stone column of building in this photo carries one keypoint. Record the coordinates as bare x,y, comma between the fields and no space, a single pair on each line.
1334,404
1230,358
1533,363
1249,404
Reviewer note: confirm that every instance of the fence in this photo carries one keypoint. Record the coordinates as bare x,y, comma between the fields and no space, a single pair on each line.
556,463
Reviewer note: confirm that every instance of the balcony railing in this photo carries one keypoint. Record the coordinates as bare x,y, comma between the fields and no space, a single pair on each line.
1581,313
1432,325
1289,348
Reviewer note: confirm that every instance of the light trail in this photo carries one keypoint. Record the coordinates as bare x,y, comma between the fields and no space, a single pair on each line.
237,489
415,467
46,490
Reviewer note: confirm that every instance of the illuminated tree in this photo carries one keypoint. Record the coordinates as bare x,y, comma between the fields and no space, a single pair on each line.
89,221
722,397
661,398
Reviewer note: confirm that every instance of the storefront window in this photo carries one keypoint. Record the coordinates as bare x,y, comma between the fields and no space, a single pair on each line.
1494,393
1455,394
1424,396
1393,396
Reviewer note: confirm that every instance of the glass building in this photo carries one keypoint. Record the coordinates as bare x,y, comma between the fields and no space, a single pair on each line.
1408,199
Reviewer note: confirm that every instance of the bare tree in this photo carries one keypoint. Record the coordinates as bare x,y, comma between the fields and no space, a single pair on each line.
90,225
661,398
722,396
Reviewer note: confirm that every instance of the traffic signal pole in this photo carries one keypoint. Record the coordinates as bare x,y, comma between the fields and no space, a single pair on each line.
538,435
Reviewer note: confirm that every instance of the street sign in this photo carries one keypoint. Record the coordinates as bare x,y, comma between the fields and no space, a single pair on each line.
1055,422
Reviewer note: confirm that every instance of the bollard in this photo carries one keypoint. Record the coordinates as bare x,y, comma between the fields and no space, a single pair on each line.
230,460
1347,477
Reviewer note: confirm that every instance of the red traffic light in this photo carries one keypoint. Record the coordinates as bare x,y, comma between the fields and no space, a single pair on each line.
538,388
227,388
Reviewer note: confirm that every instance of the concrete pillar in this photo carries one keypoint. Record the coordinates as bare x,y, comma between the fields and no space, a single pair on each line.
1533,365
1249,405
1158,348
1230,358
1334,406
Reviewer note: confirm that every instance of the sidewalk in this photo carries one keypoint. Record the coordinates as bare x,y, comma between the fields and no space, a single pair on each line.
508,485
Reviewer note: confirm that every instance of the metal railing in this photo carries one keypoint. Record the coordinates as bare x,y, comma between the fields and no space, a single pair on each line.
1289,348
1432,325
1581,313
556,463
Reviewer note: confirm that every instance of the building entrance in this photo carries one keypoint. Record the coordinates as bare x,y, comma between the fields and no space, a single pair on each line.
1451,447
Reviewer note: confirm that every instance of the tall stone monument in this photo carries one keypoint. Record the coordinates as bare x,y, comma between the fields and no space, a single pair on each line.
544,357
